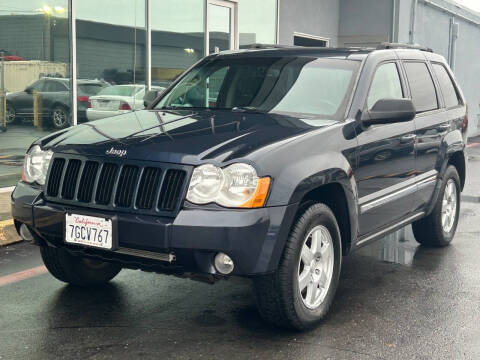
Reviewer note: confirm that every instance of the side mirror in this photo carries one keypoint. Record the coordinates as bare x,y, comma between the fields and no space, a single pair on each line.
150,97
388,111
29,90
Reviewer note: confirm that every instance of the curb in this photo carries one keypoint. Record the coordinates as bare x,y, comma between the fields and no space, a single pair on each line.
8,233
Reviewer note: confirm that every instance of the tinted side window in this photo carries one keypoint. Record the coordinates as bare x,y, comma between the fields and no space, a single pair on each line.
38,85
446,84
54,86
385,84
424,96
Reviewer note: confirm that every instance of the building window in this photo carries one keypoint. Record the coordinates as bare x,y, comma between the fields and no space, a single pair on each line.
257,22
35,43
301,39
177,37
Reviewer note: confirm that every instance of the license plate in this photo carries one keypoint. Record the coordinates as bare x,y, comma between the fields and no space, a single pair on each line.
88,230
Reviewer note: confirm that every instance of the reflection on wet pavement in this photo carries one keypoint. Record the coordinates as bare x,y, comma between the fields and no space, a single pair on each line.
399,247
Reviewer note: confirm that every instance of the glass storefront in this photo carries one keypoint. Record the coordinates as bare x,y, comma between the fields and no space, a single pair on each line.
112,56
111,61
34,77
177,38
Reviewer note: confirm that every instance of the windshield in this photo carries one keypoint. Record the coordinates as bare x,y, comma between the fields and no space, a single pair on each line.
288,85
122,90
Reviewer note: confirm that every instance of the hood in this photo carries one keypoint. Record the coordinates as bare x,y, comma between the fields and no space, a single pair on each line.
183,137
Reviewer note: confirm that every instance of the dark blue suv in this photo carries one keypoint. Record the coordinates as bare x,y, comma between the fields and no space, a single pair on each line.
266,163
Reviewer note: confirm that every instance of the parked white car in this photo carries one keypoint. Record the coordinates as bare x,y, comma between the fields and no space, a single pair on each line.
116,100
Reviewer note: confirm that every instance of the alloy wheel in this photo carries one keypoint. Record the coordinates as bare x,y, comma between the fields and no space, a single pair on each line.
60,118
315,268
449,206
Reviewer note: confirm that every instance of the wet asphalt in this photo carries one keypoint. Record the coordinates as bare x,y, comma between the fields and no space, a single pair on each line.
396,300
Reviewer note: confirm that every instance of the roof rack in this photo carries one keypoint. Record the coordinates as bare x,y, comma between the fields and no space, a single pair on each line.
388,45
269,46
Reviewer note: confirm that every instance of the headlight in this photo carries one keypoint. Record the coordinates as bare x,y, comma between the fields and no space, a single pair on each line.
35,166
236,186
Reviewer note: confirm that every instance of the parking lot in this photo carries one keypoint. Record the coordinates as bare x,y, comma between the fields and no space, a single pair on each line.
396,300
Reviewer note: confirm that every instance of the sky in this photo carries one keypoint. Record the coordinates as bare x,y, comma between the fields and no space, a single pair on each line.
472,4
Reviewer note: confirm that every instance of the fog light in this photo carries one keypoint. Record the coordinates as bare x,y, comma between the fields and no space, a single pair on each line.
25,233
223,263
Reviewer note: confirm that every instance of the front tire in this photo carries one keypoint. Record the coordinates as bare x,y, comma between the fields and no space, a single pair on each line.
299,294
76,270
438,228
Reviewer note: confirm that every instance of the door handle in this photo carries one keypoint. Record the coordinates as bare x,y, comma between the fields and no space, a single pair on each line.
408,138
444,127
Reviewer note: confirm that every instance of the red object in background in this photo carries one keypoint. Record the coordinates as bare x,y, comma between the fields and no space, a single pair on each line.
12,58
124,106
82,98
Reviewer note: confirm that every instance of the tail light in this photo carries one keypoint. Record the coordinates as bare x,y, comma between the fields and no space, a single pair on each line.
82,98
89,104
124,106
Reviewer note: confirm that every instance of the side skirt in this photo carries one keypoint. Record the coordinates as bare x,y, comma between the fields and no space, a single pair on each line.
364,240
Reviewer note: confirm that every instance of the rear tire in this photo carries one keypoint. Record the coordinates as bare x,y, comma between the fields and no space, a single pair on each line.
60,117
438,228
76,270
11,114
299,294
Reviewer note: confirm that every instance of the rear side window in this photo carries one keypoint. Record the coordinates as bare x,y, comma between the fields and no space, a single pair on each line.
424,96
446,84
385,84
89,89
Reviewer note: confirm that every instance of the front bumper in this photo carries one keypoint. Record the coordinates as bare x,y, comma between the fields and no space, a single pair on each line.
253,238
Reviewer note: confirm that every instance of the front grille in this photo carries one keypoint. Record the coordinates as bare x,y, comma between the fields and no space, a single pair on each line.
172,186
87,181
109,185
105,184
148,187
70,179
126,186
55,175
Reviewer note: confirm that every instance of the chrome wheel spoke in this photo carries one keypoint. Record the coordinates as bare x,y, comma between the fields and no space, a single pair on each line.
304,279
449,206
316,240
311,293
307,255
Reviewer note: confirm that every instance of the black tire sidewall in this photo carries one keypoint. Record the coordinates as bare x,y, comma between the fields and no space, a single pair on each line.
316,215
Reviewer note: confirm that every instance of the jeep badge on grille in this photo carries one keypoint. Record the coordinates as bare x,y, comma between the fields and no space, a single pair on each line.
116,152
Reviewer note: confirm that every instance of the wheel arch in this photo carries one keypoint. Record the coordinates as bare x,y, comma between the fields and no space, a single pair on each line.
339,198
457,159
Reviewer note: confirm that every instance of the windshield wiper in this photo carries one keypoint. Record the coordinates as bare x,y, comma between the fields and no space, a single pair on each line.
248,109
183,108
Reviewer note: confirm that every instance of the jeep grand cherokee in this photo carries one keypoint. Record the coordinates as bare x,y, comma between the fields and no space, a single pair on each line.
266,163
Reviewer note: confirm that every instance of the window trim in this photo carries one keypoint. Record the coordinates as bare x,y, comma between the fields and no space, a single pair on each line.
461,101
440,104
400,77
